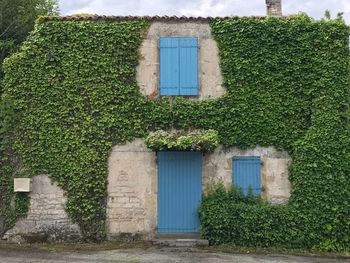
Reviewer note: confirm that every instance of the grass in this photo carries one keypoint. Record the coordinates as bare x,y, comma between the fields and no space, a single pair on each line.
71,247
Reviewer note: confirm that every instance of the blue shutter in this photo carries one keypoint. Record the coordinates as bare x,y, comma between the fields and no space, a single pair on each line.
169,66
188,66
246,173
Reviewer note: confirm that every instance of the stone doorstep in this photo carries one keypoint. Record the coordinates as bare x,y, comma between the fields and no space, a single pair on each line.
179,240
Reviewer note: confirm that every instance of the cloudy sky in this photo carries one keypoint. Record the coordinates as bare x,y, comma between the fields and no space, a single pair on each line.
314,8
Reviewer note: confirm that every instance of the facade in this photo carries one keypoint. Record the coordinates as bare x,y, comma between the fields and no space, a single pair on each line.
159,192
150,191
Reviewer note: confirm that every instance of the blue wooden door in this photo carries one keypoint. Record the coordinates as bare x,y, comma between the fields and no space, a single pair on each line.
179,191
246,173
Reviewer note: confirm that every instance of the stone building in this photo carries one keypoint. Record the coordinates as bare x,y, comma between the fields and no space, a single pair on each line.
159,192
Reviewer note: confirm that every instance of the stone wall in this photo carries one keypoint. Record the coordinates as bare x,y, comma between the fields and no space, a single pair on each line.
46,219
209,75
132,192
132,184
217,166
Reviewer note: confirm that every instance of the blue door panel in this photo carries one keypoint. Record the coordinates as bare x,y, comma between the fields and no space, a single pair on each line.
246,174
179,191
169,66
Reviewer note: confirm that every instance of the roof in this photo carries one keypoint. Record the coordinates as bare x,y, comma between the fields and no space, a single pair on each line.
149,18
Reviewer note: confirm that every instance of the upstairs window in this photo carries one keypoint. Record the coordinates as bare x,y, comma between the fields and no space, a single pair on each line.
178,66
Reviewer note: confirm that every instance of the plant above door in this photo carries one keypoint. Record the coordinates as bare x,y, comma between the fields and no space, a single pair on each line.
194,140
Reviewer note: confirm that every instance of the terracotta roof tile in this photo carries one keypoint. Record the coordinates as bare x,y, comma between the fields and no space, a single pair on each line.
150,18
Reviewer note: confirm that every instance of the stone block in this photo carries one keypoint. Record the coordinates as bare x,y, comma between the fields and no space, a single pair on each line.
132,180
45,215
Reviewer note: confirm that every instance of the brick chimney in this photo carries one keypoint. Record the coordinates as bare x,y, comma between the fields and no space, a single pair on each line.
274,7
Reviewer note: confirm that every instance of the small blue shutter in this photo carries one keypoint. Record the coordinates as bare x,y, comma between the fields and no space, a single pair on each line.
178,66
246,173
188,66
169,66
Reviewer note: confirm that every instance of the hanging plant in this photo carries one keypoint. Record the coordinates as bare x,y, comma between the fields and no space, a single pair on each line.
197,140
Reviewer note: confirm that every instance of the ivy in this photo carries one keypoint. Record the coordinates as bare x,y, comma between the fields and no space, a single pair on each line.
297,73
73,94
70,86
198,140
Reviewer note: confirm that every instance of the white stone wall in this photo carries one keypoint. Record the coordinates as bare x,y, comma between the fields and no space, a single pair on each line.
132,192
46,219
217,167
209,75
132,184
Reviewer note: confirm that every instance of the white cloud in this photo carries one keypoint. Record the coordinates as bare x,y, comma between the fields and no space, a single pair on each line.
314,8
317,8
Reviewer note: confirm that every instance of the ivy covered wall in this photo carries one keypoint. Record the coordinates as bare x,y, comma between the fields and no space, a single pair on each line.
72,93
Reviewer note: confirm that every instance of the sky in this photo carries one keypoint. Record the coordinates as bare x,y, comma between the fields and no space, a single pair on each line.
314,8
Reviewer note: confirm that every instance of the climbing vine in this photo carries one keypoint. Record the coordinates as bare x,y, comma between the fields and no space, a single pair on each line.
197,140
72,89
301,69
74,93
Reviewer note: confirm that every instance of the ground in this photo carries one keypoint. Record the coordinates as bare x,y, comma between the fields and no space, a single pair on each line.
145,253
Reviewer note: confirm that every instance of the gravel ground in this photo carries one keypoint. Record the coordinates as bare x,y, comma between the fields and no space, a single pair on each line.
153,254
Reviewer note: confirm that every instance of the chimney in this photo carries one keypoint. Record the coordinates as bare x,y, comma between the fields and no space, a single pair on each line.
274,7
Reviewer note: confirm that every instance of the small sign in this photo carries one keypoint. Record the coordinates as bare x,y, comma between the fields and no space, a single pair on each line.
22,185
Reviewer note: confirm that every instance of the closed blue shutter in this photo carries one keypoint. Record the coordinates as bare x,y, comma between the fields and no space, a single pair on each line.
178,66
169,67
188,66
246,174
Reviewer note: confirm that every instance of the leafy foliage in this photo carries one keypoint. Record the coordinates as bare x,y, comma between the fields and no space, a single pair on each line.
73,93
17,20
313,56
230,217
198,140
71,85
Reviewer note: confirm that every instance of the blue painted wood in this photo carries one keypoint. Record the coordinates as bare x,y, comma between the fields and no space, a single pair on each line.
178,66
179,191
188,66
246,173
169,66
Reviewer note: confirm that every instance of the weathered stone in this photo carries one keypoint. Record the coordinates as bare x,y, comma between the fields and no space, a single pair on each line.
274,7
181,242
132,195
132,183
217,167
209,74
46,219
